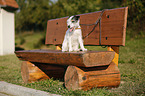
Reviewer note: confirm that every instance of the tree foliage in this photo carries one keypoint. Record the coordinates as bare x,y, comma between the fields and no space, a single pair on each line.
136,14
34,14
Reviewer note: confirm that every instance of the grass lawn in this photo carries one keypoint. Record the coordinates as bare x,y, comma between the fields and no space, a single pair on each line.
131,65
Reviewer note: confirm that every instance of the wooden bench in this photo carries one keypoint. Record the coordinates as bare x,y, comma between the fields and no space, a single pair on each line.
80,70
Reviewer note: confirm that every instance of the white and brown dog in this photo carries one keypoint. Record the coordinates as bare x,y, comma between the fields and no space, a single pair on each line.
73,37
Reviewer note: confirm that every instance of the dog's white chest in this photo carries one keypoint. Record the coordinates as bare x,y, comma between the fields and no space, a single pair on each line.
74,34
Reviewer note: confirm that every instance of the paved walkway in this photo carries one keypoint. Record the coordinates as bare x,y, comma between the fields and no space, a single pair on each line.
4,94
7,89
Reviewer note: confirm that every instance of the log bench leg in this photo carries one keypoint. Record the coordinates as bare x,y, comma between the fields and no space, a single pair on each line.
116,50
32,72
87,78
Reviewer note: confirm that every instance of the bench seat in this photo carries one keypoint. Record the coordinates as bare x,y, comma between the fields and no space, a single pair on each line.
81,59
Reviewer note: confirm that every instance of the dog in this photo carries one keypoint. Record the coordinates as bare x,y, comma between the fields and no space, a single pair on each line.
73,37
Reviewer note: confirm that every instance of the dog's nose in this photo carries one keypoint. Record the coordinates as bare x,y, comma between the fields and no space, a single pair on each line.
68,26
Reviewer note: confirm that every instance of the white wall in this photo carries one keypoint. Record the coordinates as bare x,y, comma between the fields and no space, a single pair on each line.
7,34
1,49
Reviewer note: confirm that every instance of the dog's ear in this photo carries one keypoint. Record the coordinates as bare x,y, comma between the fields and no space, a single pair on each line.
68,17
76,17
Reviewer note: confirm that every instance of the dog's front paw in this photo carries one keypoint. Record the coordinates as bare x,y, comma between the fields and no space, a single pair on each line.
84,49
76,50
64,50
70,50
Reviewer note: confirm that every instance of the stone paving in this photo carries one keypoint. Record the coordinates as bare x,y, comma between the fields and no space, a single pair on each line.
8,89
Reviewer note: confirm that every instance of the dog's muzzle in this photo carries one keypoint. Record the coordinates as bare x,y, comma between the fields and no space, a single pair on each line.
71,29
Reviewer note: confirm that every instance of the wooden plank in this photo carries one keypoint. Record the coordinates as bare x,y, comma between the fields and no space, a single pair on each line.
78,78
124,26
84,59
111,41
55,28
113,25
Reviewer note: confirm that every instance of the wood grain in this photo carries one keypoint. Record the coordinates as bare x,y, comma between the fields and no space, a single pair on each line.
32,72
113,27
116,50
78,78
83,59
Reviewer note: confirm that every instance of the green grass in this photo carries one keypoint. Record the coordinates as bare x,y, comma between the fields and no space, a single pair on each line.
29,39
131,66
10,69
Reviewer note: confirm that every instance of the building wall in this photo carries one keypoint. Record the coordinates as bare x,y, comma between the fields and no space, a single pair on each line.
7,33
1,52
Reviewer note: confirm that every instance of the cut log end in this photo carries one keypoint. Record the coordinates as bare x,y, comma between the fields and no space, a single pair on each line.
24,71
71,78
98,59
76,78
31,73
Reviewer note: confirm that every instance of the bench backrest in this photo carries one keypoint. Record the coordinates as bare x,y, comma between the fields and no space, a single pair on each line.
113,28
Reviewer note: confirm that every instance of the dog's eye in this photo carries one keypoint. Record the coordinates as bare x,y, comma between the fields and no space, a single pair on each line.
73,21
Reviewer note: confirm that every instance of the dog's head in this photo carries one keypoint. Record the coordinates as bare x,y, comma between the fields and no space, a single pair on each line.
73,22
